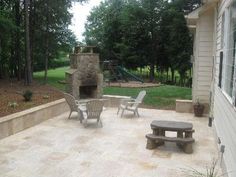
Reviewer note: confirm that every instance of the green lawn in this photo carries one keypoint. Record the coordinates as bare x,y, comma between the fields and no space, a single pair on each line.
54,75
162,97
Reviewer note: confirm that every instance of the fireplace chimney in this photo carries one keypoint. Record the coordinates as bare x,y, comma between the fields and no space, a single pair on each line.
84,78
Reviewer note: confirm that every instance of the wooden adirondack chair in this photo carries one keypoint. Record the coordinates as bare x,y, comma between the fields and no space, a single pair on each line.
131,104
93,111
74,106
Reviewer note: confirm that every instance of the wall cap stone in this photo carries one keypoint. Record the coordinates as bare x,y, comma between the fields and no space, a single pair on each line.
116,96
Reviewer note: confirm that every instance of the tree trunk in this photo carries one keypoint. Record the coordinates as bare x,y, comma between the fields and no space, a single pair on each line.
172,75
161,74
28,74
11,60
46,62
152,72
31,33
167,76
46,44
1,74
17,41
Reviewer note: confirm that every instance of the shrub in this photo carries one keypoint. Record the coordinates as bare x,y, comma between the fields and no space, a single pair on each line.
45,96
28,95
12,104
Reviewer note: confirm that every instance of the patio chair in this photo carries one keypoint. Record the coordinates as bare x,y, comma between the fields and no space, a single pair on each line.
74,105
93,111
131,104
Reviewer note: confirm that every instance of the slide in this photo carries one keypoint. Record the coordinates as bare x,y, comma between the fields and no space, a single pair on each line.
127,74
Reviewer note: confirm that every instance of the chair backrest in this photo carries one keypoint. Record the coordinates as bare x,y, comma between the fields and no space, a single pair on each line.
139,98
94,109
71,102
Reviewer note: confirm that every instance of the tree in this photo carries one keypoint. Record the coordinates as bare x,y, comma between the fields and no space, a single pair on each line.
29,31
133,46
142,33
177,47
7,27
153,11
103,28
17,56
28,74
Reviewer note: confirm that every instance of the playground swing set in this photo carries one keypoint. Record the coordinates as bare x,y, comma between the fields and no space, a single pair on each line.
117,73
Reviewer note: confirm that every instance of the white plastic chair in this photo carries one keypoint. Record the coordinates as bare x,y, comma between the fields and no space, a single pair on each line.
132,104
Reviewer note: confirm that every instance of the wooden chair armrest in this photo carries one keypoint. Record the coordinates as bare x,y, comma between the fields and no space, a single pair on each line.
77,102
126,100
133,102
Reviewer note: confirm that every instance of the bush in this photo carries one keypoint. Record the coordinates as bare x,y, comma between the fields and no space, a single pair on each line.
45,96
28,95
13,104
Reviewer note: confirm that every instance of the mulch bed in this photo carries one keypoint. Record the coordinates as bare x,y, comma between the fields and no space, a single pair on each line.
11,91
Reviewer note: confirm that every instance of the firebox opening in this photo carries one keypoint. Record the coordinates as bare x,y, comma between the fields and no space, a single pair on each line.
87,92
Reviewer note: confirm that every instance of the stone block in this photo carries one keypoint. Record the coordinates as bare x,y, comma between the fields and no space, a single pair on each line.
184,106
5,129
17,125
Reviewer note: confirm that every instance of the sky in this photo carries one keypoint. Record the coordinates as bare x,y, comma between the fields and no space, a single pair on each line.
80,13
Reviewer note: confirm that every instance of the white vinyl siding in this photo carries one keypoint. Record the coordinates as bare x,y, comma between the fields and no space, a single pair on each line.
225,123
202,75
224,110
222,30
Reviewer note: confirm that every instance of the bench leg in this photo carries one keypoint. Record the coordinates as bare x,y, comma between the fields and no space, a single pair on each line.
188,148
180,135
188,134
161,133
151,144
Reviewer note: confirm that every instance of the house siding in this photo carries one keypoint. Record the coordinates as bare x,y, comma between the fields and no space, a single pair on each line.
224,111
202,75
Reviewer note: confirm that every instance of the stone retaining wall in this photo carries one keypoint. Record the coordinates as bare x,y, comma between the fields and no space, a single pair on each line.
113,100
17,122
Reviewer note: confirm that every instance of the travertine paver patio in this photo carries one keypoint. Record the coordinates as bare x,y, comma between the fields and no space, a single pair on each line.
64,148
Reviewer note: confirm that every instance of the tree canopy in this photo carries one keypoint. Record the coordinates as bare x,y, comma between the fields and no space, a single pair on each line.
141,33
32,34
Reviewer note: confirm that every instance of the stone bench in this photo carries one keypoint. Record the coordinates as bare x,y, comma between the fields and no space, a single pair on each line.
154,141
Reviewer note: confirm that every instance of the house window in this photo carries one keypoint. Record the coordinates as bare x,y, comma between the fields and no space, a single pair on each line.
229,48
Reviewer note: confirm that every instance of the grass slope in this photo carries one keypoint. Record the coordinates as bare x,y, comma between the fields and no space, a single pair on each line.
54,75
162,97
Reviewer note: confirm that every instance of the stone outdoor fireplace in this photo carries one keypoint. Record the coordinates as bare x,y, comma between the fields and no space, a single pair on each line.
84,79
